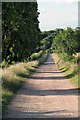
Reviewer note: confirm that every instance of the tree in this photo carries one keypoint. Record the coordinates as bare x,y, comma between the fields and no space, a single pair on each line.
20,28
66,41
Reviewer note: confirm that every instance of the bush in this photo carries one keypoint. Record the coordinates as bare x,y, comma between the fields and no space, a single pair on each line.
4,64
35,56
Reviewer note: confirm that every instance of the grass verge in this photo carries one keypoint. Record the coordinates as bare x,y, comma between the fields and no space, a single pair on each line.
14,76
70,70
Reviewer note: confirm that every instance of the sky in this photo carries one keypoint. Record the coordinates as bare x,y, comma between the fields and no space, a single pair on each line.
57,14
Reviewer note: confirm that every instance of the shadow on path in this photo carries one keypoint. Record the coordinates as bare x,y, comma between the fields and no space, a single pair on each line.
34,92
48,78
48,72
32,99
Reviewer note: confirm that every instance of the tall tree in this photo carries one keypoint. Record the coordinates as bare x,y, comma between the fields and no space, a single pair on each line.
20,29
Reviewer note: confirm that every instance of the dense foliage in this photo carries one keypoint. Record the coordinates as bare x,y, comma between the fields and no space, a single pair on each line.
20,28
21,34
36,56
67,42
47,39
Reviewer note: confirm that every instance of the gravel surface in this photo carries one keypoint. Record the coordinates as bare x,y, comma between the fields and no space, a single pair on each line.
46,94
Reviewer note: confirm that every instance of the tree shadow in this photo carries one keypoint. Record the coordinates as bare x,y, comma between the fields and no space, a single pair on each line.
38,115
62,68
70,75
48,72
48,63
30,90
48,78
65,69
23,75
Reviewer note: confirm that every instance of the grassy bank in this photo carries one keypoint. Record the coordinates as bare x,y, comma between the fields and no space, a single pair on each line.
71,70
15,75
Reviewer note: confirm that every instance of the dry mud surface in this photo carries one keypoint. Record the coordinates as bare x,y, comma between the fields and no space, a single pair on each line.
46,94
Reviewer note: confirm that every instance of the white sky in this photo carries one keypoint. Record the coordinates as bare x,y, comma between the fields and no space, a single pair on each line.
57,14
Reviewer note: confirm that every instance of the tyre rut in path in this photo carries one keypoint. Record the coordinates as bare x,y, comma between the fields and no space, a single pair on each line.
46,94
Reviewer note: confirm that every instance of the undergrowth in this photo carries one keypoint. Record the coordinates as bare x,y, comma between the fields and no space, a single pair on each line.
70,69
14,76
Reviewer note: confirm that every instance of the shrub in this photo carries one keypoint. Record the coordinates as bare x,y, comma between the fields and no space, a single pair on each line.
35,56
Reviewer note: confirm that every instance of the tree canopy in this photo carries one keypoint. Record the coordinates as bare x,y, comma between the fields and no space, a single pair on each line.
20,30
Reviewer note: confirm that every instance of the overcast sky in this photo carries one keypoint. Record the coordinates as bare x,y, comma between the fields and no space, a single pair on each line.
57,14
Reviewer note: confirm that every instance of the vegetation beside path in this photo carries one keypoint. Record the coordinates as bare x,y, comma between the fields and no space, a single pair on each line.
15,75
66,48
71,70
24,47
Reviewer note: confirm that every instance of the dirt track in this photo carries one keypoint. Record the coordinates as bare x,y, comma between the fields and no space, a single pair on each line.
46,94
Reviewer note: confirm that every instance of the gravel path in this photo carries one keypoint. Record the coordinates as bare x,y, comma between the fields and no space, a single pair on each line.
46,94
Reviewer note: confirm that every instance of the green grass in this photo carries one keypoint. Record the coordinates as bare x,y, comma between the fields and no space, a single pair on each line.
7,96
14,76
71,71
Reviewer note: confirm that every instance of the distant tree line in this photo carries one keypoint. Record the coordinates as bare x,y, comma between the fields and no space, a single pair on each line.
62,41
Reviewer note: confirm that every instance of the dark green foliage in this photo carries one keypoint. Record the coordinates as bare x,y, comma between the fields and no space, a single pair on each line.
43,58
44,34
46,42
67,43
20,28
47,33
77,38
